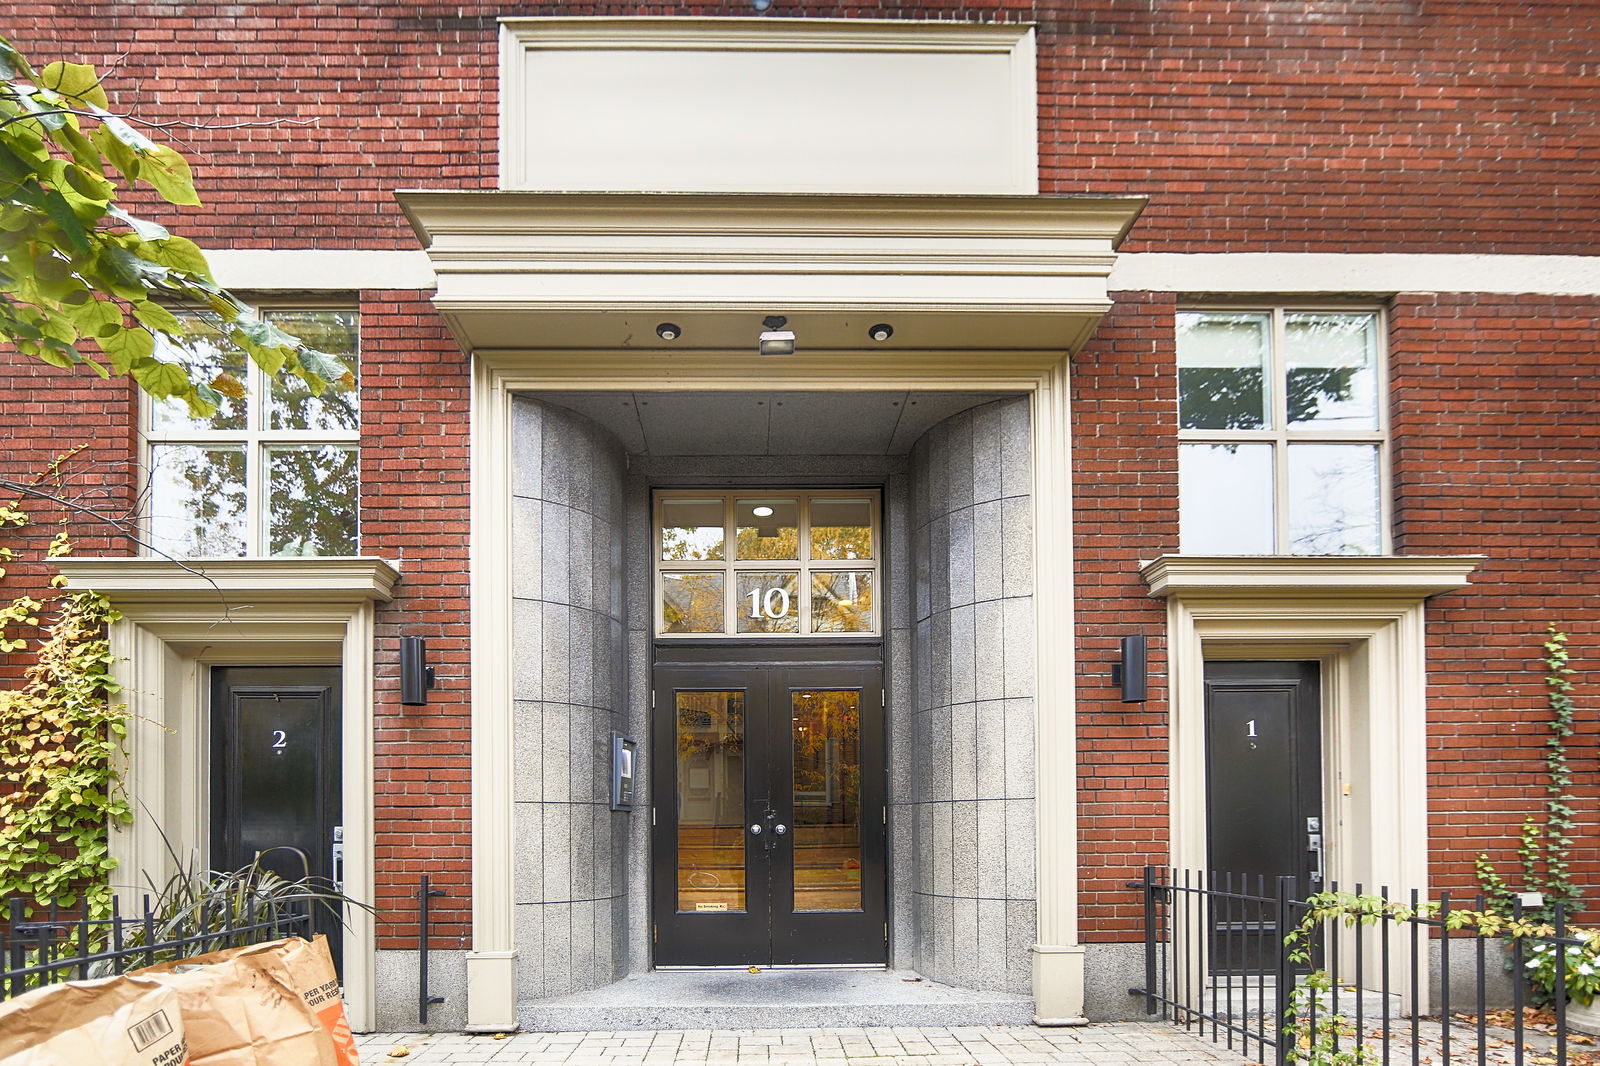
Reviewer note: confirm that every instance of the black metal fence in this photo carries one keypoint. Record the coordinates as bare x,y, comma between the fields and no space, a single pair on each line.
1412,985
44,947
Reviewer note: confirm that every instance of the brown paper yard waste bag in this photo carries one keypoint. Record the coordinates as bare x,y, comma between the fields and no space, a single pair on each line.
306,967
238,1015
118,1021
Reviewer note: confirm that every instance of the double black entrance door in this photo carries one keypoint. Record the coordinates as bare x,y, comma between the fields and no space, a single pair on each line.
768,798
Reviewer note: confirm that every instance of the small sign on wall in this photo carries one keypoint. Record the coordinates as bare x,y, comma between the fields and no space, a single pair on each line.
624,760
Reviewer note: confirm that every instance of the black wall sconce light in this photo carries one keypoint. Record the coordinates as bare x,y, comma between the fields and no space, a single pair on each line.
416,676
1132,673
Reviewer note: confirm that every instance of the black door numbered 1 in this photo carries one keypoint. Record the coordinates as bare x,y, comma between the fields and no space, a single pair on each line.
768,846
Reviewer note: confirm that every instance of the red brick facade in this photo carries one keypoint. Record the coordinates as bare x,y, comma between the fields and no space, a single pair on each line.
1361,126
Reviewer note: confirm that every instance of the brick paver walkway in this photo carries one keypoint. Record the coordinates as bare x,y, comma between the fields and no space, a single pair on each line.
1132,1043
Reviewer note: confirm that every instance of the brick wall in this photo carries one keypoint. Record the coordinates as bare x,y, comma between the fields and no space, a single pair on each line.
1496,411
1349,125
1125,510
414,488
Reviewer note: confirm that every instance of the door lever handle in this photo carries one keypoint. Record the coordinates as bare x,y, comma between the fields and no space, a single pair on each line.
1314,846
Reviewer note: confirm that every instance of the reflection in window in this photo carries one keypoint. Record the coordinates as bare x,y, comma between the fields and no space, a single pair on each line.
1281,432
275,471
197,500
841,529
768,602
827,799
768,529
691,602
691,529
710,786
313,500
841,601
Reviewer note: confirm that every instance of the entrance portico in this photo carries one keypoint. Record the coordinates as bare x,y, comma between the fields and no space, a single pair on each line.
557,295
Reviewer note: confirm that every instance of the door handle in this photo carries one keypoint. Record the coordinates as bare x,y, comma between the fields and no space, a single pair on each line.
1314,846
336,856
780,829
755,829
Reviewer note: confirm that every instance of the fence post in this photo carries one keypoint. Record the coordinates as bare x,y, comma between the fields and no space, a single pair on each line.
1149,940
1283,994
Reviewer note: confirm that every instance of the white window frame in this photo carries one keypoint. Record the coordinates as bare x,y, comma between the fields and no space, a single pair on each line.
256,438
1280,436
731,567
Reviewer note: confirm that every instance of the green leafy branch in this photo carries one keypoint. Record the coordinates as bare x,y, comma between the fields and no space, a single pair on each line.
1544,850
76,267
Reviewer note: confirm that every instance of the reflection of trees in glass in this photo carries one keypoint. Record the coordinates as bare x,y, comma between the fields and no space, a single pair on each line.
841,542
709,722
312,496
291,405
1333,507
754,618
827,760
841,602
691,603
1220,397
784,543
197,500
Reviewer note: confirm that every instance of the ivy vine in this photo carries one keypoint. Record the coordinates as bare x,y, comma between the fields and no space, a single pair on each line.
1545,849
60,744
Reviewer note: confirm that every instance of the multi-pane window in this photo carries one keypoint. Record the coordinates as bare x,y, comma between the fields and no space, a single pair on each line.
1282,433
273,472
766,564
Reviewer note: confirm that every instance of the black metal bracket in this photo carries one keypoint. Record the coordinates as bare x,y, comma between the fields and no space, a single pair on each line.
424,1000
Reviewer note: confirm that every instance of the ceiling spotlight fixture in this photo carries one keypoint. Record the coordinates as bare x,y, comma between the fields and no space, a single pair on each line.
668,331
881,332
761,512
775,340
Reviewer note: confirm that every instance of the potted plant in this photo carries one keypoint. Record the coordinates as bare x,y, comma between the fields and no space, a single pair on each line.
1582,965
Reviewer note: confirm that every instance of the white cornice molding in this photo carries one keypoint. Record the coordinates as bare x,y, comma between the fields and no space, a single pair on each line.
1307,578
676,33
350,580
319,269
1365,274
530,270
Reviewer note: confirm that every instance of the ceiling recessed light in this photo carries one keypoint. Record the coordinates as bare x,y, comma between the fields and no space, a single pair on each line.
881,332
668,331
762,512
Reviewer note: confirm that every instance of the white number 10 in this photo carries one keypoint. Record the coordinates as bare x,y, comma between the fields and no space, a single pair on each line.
770,603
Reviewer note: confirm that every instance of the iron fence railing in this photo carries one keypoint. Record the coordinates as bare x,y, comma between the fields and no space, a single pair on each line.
42,947
1409,987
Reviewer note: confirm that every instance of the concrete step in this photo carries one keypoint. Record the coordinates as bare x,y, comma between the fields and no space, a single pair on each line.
772,999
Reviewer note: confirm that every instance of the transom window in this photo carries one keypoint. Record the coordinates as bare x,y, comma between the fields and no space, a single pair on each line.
1282,431
274,471
766,563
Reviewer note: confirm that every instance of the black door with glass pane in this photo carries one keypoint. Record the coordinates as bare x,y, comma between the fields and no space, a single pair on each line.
275,775
1263,796
768,792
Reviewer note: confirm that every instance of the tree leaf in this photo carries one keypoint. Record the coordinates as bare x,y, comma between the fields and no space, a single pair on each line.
149,231
61,213
169,173
157,318
126,346
98,318
179,253
119,155
162,379
77,80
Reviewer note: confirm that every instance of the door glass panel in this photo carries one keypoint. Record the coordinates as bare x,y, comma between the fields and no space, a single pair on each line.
691,602
768,529
710,776
827,799
691,529
841,529
768,601
841,602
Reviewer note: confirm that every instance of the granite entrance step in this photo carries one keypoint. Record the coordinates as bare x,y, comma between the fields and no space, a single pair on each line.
772,999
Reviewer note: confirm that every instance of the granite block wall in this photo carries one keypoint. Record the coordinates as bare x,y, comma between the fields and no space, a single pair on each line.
570,691
971,796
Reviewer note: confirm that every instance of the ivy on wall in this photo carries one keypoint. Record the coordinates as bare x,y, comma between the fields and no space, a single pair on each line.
1545,849
60,745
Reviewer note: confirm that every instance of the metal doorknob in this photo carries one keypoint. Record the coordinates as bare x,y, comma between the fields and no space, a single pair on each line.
755,829
780,829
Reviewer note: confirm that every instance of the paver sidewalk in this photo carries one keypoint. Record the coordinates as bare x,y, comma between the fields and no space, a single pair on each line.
1133,1043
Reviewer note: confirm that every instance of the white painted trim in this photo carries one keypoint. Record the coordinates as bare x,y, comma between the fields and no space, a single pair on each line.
521,37
1363,618
1374,274
1254,273
175,624
1058,957
319,269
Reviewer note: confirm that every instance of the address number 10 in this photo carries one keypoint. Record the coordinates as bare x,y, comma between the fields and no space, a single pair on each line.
769,603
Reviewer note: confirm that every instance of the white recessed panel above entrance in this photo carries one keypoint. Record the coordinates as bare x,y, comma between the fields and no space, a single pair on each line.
768,105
